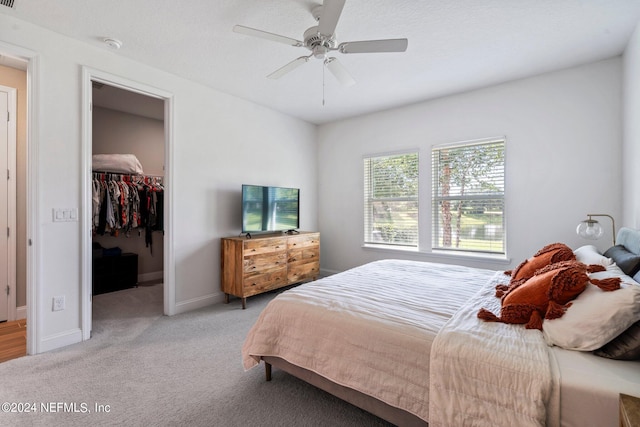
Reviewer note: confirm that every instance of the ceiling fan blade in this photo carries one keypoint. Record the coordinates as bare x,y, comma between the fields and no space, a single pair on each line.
289,67
266,35
331,11
374,46
339,72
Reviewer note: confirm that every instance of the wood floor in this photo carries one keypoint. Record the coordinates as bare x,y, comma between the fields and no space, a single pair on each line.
13,340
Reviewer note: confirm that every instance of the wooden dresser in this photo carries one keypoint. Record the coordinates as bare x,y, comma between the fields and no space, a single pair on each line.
629,411
263,263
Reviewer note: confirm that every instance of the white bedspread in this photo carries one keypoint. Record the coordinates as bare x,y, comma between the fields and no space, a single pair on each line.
369,328
491,374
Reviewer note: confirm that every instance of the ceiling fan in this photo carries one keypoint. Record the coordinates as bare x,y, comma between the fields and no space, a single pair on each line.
321,40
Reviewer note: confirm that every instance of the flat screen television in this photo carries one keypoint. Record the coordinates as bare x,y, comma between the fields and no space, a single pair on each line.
268,209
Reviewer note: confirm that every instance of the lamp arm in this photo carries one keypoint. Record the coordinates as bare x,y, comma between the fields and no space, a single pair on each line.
613,225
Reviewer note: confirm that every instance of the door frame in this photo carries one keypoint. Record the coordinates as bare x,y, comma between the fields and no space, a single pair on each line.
33,218
90,75
11,200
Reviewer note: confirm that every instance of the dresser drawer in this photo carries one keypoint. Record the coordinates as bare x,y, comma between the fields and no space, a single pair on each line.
258,283
304,241
301,272
303,255
262,246
264,263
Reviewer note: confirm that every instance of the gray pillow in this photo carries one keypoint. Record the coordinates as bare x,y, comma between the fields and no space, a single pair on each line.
628,262
625,346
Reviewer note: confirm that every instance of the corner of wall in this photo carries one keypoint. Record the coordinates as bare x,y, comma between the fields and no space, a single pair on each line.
631,132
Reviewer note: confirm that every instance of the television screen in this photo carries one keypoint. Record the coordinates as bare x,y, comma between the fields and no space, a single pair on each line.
269,208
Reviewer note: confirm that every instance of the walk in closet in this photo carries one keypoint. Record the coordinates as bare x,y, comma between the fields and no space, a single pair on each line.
127,189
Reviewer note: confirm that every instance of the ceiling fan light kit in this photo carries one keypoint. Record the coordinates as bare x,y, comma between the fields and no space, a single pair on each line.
321,40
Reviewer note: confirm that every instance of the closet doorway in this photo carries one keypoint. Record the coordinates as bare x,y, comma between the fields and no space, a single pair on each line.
127,142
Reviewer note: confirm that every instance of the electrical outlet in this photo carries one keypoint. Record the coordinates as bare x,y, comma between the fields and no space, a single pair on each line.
58,303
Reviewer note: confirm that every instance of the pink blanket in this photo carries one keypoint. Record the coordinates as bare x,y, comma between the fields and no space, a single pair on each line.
369,328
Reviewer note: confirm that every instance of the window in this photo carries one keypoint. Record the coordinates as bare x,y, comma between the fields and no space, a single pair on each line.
391,200
468,197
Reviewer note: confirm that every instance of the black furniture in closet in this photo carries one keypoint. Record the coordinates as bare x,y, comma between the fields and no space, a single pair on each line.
114,273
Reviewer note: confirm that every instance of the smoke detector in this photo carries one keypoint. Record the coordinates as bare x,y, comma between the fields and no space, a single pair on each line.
113,43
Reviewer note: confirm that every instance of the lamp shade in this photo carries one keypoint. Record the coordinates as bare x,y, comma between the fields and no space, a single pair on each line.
590,229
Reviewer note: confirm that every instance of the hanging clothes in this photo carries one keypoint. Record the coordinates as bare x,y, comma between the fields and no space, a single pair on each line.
151,202
123,203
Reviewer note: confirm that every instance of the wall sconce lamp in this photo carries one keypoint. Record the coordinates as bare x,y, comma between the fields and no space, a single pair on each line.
592,230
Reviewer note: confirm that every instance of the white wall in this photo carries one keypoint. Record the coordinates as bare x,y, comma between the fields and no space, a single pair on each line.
220,142
564,141
631,148
120,132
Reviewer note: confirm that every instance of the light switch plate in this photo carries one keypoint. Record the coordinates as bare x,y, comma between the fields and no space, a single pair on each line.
65,214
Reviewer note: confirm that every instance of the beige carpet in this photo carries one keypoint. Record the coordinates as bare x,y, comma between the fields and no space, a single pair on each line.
144,369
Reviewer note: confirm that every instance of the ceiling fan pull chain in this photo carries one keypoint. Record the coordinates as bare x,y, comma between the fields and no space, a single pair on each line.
323,67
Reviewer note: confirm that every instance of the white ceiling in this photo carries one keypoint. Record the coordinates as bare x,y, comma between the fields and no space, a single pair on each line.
454,45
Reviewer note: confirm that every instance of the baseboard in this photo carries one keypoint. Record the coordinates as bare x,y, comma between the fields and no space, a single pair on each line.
21,312
62,339
324,272
195,303
148,277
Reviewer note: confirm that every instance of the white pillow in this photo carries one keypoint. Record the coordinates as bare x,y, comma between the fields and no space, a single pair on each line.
589,254
596,317
117,163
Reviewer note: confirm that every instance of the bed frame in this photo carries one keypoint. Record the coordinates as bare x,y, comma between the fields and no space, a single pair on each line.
370,404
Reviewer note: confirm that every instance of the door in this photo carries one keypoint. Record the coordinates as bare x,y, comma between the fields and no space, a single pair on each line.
7,202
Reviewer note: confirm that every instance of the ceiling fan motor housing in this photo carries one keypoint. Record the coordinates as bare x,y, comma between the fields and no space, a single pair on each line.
317,43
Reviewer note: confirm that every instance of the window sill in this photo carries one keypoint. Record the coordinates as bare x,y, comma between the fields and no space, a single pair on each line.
443,255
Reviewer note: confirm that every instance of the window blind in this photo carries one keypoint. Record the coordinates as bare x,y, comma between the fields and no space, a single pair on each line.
468,197
391,199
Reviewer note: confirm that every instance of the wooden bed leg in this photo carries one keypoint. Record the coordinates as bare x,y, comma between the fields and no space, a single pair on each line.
244,303
226,298
267,371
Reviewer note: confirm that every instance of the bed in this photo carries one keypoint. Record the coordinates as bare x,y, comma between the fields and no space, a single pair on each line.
402,340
